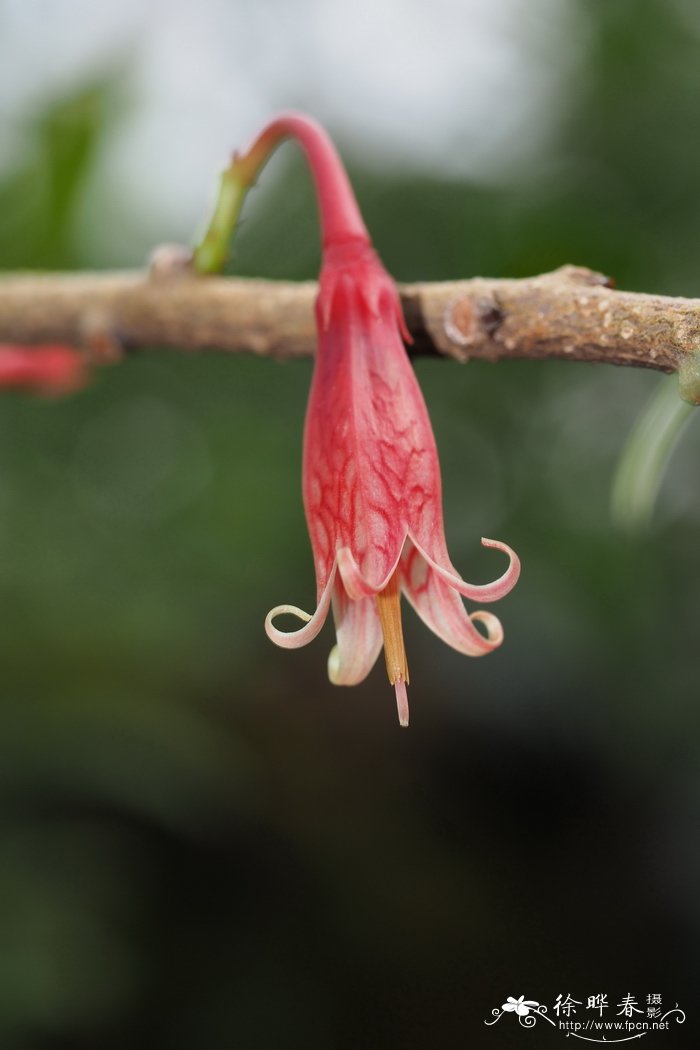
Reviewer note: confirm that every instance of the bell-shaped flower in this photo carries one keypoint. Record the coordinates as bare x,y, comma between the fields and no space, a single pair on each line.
372,488
371,476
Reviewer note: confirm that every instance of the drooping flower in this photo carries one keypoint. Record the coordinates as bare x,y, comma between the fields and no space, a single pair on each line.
372,488
371,476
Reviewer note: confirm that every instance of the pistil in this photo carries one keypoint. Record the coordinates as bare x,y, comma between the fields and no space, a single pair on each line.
389,608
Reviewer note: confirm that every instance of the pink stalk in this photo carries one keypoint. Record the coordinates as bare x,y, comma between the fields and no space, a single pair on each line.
340,216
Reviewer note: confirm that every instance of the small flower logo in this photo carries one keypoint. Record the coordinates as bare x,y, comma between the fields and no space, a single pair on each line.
519,1006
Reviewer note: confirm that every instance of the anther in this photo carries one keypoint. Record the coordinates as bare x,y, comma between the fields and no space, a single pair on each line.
389,608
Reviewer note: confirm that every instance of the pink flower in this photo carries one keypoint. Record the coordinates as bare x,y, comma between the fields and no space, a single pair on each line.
371,476
50,369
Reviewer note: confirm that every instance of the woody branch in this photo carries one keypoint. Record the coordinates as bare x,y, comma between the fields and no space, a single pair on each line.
572,314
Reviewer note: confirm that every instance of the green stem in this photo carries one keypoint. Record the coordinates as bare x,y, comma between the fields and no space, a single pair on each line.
340,216
212,251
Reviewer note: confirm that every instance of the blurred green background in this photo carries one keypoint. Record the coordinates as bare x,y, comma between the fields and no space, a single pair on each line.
203,843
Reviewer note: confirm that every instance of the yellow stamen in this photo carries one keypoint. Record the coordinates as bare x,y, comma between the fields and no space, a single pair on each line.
389,608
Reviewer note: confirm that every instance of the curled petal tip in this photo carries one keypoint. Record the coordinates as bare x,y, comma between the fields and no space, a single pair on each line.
498,544
286,639
510,577
494,631
312,624
480,592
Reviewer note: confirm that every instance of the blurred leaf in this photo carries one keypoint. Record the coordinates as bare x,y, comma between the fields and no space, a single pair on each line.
646,456
38,198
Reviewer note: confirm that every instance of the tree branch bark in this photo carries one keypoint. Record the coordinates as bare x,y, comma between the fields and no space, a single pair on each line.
572,314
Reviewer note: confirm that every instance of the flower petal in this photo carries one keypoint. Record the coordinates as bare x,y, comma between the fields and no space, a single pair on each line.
439,606
354,582
313,624
369,453
482,592
359,638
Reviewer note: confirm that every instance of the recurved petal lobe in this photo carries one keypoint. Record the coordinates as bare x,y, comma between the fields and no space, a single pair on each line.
440,607
359,638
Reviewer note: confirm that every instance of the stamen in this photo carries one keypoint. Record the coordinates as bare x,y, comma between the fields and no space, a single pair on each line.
401,701
389,608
